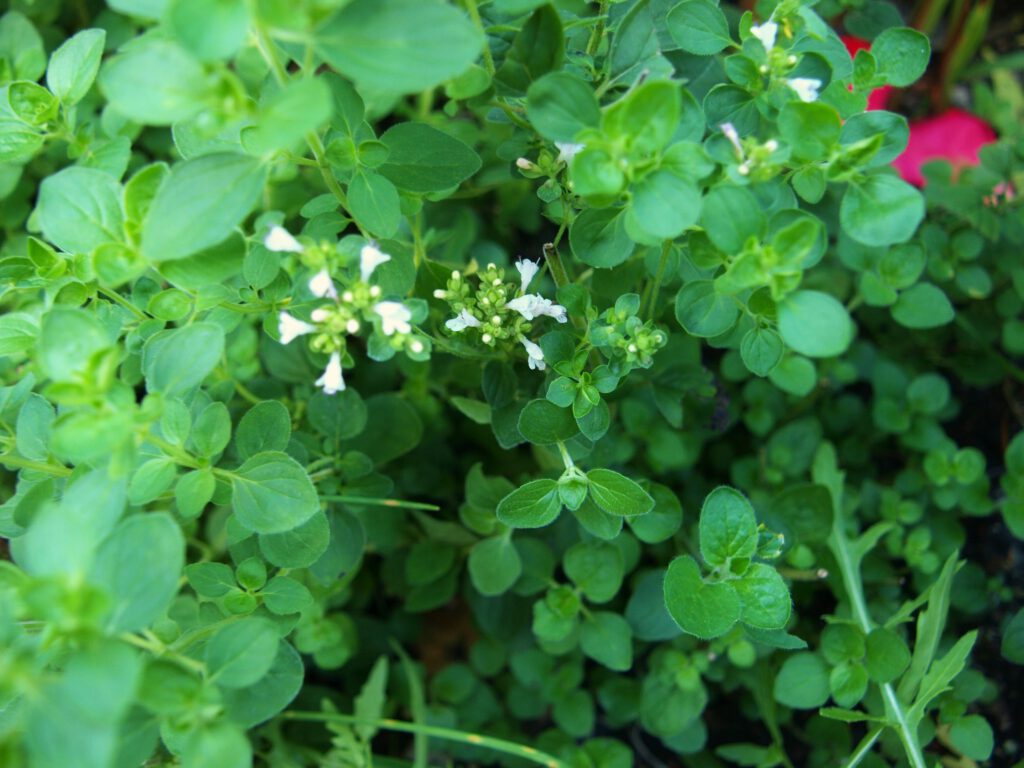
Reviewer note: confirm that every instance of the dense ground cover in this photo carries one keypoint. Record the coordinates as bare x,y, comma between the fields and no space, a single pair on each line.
411,382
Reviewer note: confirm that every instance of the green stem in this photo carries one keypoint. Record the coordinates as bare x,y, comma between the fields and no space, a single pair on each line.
598,32
375,502
566,458
18,462
558,273
120,300
162,651
652,305
474,15
176,453
488,742
850,571
864,747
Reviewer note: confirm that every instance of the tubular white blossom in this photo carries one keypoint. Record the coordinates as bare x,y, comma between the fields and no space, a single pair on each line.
332,380
734,138
533,305
395,317
765,33
289,328
567,150
534,354
806,87
280,239
322,286
527,271
462,321
370,257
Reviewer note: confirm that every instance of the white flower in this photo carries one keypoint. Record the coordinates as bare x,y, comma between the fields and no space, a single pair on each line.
765,33
289,328
394,315
319,315
806,87
462,321
567,150
534,355
527,271
416,347
370,257
532,305
280,239
523,164
322,286
734,138
332,381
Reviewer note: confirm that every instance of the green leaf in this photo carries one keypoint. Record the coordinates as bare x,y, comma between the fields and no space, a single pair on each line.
259,702
18,331
533,505
940,674
597,568
219,745
811,128
239,654
210,579
607,638
68,340
139,566
80,208
662,207
1012,645
21,47
200,203
802,682
731,215
728,527
374,202
887,655
165,353
848,682
560,105
209,30
881,210
815,324
156,83
538,48
544,423
73,66
617,494
288,115
705,610
703,311
423,159
598,237
369,704
300,547
766,601
972,736
283,595
272,493
923,306
761,349
494,566
267,426
902,55
402,46
698,26
646,118
803,513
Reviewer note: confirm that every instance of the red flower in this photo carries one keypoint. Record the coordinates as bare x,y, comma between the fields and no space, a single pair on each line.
954,136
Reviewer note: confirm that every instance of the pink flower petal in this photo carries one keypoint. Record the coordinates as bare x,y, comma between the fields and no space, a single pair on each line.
955,136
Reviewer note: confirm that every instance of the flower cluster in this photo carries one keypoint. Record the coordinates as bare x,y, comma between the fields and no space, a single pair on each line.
499,311
780,62
624,338
346,313
755,159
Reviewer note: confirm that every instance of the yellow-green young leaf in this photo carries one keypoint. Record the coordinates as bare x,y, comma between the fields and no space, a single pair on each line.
272,493
200,203
401,46
74,65
18,331
705,610
533,505
617,494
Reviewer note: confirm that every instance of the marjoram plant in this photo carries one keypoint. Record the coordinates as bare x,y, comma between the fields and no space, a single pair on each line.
506,382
